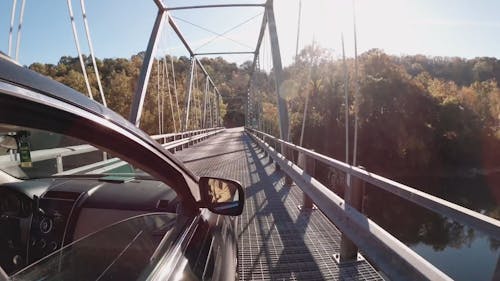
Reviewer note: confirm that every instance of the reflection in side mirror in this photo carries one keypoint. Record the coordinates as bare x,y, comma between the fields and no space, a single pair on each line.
222,196
8,142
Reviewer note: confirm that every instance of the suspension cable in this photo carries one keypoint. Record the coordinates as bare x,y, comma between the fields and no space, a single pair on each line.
158,94
356,88
169,93
346,102
163,93
75,36
91,49
21,16
188,97
175,92
204,123
12,16
210,111
214,108
195,99
200,119
298,30
162,70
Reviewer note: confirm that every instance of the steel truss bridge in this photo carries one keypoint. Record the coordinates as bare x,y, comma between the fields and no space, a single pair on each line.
293,226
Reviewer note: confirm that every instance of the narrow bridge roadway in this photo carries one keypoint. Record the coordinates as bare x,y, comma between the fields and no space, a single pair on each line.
277,241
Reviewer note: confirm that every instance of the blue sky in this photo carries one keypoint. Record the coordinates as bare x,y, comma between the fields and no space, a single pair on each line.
121,28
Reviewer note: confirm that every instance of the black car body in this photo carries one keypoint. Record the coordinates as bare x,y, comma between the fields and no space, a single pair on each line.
156,222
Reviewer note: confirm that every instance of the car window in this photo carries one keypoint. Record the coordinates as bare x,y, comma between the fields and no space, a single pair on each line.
126,250
27,153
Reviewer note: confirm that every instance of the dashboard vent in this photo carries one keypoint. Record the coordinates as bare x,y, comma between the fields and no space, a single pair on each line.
66,195
163,205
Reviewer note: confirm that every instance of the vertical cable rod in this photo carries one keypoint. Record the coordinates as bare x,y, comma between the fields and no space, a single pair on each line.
91,49
18,39
169,93
211,108
12,17
75,36
198,99
162,96
175,92
356,88
205,104
298,30
158,94
195,100
346,77
188,96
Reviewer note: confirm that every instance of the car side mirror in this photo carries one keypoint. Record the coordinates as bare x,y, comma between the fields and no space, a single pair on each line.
222,196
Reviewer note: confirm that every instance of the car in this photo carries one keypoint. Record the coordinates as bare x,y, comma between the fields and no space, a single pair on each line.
86,195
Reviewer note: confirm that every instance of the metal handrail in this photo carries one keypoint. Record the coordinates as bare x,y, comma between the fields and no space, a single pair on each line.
187,133
177,143
47,154
456,212
396,259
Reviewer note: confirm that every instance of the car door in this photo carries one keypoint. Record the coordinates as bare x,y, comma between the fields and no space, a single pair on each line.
207,252
207,247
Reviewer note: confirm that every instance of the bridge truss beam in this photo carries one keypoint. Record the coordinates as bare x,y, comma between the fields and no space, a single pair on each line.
215,6
162,18
278,71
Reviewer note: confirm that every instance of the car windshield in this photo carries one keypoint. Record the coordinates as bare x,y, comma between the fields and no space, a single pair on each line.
29,153
126,250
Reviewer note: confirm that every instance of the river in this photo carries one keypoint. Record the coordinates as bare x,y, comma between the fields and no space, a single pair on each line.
459,251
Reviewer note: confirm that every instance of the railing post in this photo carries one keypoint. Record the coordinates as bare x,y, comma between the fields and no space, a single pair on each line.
308,164
60,167
277,151
265,151
288,153
176,137
184,134
354,193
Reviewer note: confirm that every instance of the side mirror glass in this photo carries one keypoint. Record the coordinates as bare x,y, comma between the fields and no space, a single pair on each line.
222,196
8,142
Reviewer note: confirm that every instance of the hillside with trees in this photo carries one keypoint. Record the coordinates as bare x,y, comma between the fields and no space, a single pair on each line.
418,115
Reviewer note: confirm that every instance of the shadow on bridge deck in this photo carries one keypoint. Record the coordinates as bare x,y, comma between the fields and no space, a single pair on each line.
276,240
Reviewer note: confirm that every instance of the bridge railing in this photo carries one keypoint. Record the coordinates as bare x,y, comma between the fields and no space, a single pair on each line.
171,142
397,260
164,138
104,166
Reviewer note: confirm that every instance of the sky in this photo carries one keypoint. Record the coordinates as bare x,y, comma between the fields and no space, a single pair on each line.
121,28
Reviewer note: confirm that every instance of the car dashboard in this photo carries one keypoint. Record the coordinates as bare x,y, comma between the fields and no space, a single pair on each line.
38,217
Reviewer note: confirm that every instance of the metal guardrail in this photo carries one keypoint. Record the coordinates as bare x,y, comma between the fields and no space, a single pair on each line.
397,260
176,136
47,154
194,138
178,140
456,212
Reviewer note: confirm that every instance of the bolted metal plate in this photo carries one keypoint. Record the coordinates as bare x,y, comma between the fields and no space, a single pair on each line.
336,258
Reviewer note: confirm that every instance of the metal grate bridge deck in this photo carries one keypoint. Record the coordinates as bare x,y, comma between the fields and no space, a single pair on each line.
277,241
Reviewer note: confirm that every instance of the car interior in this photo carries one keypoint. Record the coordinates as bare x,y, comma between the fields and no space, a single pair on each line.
46,205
